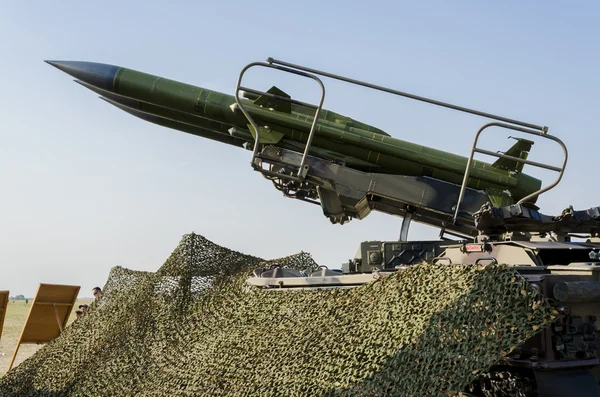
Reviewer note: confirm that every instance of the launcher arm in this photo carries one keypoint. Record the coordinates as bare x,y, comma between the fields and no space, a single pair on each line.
345,193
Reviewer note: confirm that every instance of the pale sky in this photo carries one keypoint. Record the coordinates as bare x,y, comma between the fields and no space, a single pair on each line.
86,187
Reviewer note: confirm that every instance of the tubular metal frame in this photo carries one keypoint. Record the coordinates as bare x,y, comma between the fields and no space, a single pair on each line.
303,169
501,122
475,149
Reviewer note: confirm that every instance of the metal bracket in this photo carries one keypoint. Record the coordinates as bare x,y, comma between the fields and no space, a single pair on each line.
405,225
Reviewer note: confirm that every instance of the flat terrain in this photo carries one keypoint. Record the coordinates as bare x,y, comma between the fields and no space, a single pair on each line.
16,313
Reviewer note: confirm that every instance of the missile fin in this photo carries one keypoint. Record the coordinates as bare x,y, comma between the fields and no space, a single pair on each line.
267,135
280,105
521,150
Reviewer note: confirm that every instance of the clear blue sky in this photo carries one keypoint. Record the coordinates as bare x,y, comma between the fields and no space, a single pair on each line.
86,186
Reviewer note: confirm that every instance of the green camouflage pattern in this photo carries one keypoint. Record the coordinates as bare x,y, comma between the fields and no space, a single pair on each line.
195,328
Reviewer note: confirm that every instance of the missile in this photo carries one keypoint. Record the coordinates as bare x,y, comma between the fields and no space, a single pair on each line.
214,115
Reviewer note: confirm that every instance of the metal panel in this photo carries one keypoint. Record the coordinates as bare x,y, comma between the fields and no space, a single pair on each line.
48,315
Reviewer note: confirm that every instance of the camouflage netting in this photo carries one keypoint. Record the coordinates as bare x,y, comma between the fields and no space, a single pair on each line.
195,329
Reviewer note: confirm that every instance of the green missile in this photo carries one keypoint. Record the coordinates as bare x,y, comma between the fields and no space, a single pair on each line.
196,107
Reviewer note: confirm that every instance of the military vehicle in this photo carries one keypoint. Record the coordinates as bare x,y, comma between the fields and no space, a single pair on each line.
486,213
562,360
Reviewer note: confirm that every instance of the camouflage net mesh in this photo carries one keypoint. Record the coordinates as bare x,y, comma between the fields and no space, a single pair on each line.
194,328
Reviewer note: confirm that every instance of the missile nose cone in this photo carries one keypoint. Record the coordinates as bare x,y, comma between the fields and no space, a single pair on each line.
97,74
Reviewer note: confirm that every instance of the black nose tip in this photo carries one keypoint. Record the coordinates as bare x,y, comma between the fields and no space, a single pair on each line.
96,74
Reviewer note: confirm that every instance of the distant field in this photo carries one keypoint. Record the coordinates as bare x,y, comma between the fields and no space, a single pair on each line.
16,313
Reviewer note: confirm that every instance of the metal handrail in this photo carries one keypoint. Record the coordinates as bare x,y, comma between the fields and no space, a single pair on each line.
487,258
303,169
475,149
407,95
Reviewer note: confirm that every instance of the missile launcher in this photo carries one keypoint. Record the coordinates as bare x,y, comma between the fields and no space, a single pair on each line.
370,155
485,211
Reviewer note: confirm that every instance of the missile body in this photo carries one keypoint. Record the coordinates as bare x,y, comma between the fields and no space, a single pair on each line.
212,115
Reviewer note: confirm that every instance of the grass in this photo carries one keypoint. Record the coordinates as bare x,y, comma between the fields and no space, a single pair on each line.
16,314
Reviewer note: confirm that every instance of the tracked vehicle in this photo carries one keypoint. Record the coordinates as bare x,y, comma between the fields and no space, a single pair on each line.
559,255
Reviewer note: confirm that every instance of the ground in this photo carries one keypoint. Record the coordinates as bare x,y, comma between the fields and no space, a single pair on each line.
16,314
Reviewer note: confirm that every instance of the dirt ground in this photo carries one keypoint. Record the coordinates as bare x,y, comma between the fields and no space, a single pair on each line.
16,314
